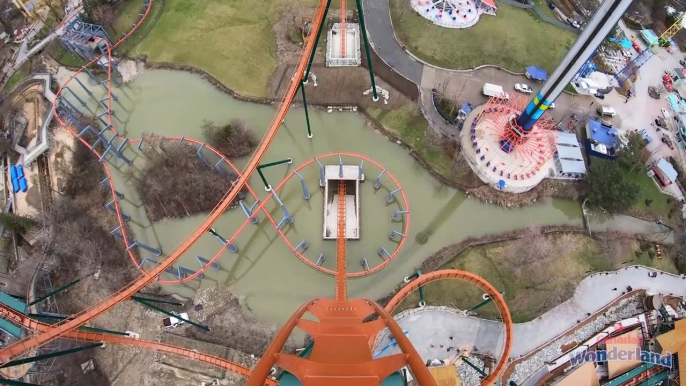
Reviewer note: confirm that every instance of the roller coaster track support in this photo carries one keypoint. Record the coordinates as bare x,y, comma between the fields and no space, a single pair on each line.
366,48
57,330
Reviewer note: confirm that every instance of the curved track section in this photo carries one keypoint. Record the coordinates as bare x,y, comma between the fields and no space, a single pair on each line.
34,325
404,201
498,299
125,293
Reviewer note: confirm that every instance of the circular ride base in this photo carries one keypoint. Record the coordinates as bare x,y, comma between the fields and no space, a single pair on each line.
515,172
448,13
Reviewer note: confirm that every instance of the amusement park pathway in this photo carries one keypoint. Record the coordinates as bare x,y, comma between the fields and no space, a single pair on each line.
593,294
461,85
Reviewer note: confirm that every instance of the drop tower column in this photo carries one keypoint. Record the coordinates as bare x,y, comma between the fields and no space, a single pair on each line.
597,29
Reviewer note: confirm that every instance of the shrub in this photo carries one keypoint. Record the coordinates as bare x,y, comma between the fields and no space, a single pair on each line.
232,140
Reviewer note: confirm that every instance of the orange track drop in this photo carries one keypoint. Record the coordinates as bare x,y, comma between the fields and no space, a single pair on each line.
344,14
341,259
125,293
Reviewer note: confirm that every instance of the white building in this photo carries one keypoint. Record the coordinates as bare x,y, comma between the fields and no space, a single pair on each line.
569,161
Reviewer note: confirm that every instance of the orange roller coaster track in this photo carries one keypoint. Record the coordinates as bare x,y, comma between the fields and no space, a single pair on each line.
341,261
498,300
34,325
125,293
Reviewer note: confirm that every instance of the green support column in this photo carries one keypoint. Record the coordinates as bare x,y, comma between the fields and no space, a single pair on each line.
307,115
412,277
314,49
55,292
51,355
474,367
307,350
268,187
157,301
82,328
404,376
422,303
366,48
483,303
16,383
153,307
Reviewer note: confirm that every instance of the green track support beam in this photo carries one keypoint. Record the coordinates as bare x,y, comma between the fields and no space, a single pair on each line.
474,367
307,115
307,350
366,47
51,355
82,328
476,307
156,301
55,292
413,276
154,307
15,383
314,49
268,187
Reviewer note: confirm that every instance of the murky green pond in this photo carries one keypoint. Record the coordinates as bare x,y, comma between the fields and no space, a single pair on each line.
265,271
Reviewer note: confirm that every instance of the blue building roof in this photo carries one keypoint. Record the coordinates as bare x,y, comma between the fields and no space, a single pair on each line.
602,133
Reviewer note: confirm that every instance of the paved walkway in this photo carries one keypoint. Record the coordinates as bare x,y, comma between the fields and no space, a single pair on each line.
434,327
378,22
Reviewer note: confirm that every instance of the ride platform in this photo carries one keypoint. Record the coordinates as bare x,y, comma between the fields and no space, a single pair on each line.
352,177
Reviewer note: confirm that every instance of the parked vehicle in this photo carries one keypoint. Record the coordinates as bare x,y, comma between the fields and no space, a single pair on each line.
523,88
667,141
172,322
494,90
605,111
636,46
600,96
665,113
652,274
682,62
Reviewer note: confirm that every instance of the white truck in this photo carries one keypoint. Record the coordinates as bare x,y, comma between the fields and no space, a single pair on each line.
493,90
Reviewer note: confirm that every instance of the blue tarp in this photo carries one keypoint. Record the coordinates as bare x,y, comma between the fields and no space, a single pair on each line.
537,73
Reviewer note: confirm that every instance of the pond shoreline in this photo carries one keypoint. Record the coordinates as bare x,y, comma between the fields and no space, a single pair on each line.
486,194
446,254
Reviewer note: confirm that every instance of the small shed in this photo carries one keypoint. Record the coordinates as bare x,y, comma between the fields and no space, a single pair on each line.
649,36
536,73
665,172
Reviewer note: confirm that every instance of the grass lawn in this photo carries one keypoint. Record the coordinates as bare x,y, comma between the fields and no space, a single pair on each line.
649,191
513,39
233,41
532,294
22,72
412,130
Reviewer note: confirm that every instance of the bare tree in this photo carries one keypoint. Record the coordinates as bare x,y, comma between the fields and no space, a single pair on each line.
232,140
460,166
176,183
532,250
104,14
